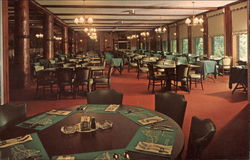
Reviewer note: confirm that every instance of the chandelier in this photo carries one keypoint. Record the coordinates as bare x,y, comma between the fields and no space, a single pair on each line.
160,30
144,34
133,36
82,20
39,35
194,20
91,32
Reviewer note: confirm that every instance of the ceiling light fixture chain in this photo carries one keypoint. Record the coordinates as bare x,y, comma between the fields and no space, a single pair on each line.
82,19
195,20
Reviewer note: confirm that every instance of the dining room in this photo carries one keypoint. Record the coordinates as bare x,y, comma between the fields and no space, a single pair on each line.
124,80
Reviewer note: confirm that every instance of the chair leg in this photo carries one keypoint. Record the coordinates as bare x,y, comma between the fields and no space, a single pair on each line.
148,84
201,84
153,90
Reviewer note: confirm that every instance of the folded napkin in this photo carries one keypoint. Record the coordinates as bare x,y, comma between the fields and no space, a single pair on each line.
155,148
150,120
66,157
14,141
59,112
112,108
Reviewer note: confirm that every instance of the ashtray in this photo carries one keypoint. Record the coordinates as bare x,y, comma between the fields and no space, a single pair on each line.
77,128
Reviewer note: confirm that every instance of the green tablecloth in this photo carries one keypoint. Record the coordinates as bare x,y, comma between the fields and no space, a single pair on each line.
95,108
117,62
42,121
25,150
209,67
181,60
135,114
145,134
102,155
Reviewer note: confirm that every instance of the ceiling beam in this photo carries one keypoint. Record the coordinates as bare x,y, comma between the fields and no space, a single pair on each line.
128,7
97,19
44,10
105,14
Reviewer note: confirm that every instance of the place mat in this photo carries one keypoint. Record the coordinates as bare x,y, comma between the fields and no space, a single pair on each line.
137,114
59,112
101,155
43,121
28,150
162,139
97,108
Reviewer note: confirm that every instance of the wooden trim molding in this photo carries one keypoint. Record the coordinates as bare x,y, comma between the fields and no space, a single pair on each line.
228,31
5,51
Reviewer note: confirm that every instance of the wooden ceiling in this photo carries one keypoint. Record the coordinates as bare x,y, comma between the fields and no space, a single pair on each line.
128,15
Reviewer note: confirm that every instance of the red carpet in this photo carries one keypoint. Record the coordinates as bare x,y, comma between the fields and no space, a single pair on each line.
227,110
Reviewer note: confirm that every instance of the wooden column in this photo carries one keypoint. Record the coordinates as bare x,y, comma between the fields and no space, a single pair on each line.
72,42
190,39
76,42
177,39
22,44
168,38
65,40
205,35
161,42
48,31
153,41
5,51
228,31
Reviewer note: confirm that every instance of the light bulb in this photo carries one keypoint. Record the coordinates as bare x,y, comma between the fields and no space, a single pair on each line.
86,29
76,20
81,20
90,20
188,21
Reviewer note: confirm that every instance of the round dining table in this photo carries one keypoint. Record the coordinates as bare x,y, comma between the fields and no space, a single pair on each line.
127,131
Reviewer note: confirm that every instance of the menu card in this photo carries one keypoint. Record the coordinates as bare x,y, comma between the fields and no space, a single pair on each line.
67,157
155,148
59,112
14,141
112,108
150,120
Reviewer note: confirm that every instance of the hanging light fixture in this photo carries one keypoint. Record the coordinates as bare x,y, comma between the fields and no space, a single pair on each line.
82,20
194,20
160,30
144,34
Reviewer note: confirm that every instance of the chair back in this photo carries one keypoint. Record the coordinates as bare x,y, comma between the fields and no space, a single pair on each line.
64,75
45,77
104,96
82,75
171,104
201,134
151,71
182,72
10,114
226,61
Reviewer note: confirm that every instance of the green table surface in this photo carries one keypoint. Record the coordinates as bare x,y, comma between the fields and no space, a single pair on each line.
22,151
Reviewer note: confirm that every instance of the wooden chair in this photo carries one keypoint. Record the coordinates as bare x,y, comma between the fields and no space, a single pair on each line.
45,79
104,96
82,78
65,78
201,134
11,114
103,81
181,75
141,68
153,78
195,77
226,64
171,104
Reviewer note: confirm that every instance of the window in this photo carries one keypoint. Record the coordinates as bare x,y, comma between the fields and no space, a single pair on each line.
184,45
173,46
242,47
165,46
218,46
158,45
198,46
